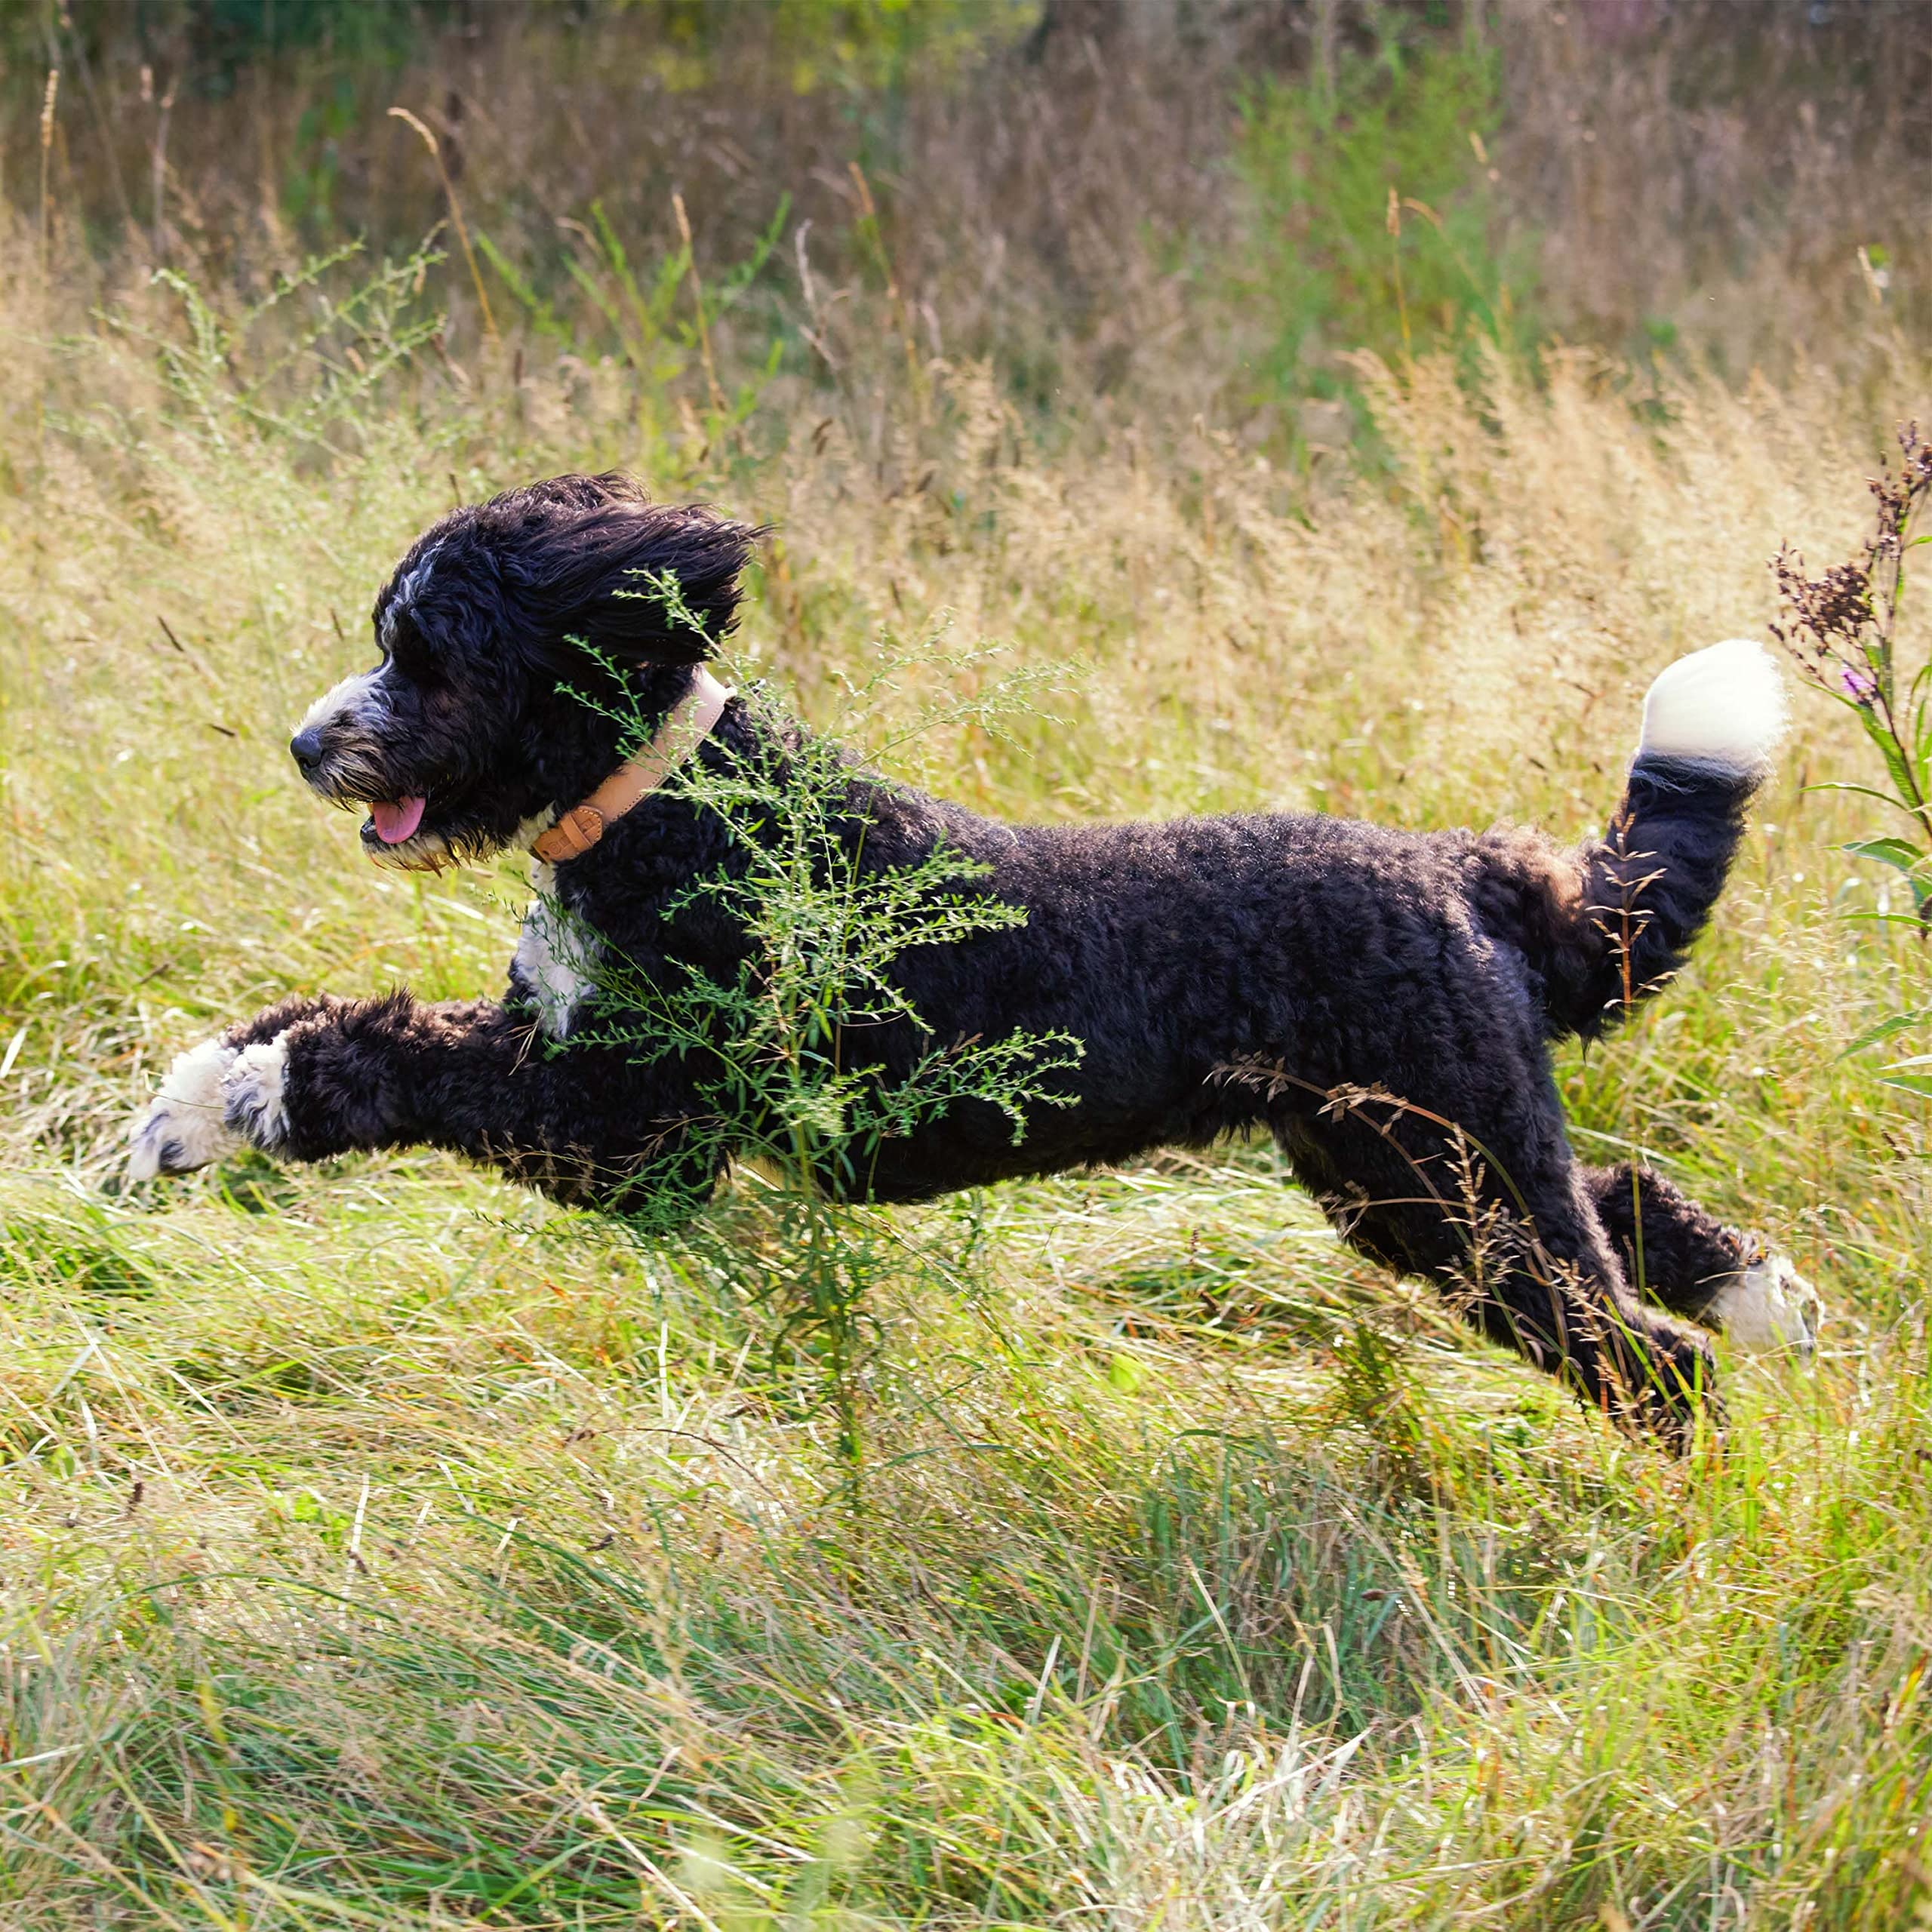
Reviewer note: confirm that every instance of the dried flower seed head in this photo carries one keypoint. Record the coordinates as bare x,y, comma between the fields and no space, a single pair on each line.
1839,626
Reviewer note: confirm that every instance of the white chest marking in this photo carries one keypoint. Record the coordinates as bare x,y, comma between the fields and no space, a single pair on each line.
556,956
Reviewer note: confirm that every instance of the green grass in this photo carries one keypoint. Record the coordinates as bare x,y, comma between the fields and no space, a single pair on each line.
406,1550
381,1547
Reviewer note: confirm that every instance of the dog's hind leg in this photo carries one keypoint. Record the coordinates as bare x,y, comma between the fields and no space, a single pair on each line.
1503,1223
1684,1258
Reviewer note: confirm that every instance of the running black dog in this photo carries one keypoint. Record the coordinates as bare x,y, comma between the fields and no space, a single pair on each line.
1381,1002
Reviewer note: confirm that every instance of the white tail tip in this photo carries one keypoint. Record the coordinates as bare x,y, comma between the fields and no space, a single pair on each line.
1723,706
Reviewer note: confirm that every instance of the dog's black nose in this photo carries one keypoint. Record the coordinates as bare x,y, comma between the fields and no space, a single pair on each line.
307,748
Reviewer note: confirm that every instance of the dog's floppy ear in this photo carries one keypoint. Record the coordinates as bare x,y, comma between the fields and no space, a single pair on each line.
641,582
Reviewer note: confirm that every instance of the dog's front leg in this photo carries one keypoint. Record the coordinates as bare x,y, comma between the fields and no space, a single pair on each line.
223,1094
311,1078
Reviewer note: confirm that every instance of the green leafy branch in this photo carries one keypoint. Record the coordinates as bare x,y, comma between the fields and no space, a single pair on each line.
785,1050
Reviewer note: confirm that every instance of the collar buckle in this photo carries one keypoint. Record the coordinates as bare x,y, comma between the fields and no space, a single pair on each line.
693,719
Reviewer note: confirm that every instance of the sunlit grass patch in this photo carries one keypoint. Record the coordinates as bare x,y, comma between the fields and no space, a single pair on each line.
379,1545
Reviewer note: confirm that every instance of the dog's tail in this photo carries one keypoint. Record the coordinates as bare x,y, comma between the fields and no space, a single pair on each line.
1615,920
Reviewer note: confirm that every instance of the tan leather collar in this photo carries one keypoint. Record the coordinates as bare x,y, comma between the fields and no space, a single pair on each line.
692,721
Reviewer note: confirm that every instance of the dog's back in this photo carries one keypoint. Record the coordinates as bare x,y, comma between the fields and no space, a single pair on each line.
1343,954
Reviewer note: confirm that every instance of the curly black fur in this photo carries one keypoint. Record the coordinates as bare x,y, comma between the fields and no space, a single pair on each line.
1381,1002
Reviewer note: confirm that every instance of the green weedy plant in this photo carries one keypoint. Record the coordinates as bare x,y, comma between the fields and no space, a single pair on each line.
302,362
1842,628
641,314
783,1075
1373,223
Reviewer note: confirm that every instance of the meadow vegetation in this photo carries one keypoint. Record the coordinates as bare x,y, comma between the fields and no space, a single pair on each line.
381,1547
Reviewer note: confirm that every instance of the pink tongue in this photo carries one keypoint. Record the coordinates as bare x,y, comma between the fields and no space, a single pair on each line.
398,821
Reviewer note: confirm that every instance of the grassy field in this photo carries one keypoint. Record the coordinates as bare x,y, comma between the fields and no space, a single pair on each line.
379,1547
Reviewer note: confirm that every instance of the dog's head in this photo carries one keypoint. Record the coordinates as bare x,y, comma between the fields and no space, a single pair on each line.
502,619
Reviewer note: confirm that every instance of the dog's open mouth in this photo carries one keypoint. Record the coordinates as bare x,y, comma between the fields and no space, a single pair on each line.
420,830
397,820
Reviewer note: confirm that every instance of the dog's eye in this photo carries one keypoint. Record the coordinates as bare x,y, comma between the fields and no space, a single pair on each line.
406,647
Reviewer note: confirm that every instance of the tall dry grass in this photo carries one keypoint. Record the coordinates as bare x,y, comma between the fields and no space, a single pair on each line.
381,1549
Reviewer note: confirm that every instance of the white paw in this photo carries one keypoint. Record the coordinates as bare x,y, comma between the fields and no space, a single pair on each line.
184,1125
252,1088
215,1098
1768,1307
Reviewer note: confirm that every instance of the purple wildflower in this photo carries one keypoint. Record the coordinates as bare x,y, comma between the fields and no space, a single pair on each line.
1860,686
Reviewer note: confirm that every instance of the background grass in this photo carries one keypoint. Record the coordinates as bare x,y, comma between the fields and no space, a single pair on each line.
381,1547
